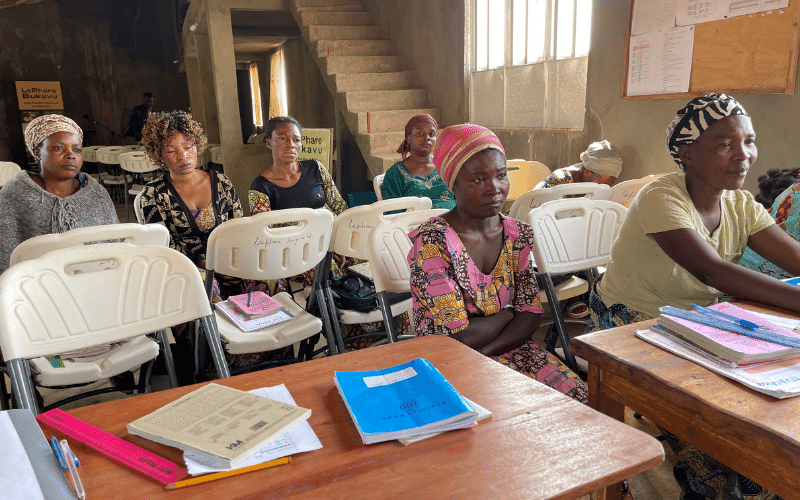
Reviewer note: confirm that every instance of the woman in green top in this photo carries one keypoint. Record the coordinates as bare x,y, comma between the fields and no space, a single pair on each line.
415,174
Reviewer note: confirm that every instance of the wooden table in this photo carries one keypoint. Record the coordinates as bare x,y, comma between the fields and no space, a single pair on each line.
752,433
538,444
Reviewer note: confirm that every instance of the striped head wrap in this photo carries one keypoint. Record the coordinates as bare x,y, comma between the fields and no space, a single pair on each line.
42,127
457,144
405,147
696,117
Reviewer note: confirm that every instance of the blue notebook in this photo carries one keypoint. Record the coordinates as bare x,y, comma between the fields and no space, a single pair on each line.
403,401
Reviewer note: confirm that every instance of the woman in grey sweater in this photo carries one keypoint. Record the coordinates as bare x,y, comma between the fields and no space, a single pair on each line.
57,198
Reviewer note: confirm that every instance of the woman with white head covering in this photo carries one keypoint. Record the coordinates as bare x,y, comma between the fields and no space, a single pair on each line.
680,244
57,198
600,163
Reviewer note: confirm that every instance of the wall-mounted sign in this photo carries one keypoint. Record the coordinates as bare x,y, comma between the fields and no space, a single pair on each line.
39,95
317,145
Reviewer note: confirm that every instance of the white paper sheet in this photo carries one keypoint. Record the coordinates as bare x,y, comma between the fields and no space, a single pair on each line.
653,15
301,438
660,62
17,479
701,11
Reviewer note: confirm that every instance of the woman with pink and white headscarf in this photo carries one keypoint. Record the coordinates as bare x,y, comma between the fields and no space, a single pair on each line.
472,276
58,197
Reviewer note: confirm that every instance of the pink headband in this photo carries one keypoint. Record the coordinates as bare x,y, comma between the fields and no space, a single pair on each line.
405,147
457,144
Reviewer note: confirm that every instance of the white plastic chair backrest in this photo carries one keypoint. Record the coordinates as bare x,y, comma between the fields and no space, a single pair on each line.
260,138
524,175
574,234
249,248
109,155
136,161
624,192
252,139
350,236
216,155
137,207
135,234
377,183
389,245
90,153
122,291
8,170
535,197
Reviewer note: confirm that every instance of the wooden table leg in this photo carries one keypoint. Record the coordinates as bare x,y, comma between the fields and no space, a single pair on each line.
599,401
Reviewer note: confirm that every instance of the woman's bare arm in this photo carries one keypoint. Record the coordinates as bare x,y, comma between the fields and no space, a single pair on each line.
777,247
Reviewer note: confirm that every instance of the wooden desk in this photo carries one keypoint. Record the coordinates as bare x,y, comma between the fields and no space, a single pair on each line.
752,433
539,443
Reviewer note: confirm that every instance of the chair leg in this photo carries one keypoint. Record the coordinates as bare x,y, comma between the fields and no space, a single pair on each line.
19,371
558,319
4,403
335,321
327,322
166,351
215,344
388,319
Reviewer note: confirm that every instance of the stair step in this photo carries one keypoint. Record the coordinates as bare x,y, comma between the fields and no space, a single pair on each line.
335,18
382,143
378,164
386,121
383,100
373,81
327,48
362,64
343,32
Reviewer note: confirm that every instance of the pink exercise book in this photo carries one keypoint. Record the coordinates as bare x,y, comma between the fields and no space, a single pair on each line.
261,304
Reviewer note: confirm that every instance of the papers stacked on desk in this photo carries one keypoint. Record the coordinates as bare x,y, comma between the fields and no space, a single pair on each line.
403,402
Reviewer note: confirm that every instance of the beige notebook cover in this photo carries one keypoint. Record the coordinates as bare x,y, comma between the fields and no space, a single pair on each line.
224,425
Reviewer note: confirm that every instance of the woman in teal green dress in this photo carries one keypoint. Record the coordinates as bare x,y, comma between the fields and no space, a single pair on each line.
415,174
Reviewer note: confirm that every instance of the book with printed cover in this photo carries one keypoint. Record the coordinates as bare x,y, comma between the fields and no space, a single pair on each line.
403,401
256,305
246,323
224,426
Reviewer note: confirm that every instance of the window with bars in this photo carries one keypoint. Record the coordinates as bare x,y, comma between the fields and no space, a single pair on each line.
528,62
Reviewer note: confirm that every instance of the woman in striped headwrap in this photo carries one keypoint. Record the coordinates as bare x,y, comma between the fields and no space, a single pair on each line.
471,271
58,197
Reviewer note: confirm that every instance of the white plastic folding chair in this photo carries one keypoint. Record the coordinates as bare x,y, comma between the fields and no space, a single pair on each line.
350,238
137,208
571,235
624,192
217,155
8,170
141,168
535,197
256,248
90,156
79,297
388,256
112,179
377,185
524,175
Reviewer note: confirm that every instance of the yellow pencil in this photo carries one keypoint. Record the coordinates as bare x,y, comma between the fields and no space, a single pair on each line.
228,473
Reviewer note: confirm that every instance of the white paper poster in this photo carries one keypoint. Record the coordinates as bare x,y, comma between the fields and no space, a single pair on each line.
701,11
653,15
660,62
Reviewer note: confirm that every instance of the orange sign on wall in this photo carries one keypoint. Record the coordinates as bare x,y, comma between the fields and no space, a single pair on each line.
39,95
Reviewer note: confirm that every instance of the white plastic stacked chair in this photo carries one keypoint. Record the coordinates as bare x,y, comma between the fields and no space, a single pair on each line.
350,238
377,185
79,297
389,245
142,168
624,192
253,248
8,170
90,156
113,179
535,197
571,235
216,155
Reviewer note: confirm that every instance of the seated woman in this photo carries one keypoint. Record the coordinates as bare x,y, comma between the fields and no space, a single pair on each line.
600,163
786,212
190,202
57,198
471,271
681,242
415,174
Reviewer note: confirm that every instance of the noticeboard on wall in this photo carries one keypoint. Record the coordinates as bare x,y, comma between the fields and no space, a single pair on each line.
751,51
318,145
39,95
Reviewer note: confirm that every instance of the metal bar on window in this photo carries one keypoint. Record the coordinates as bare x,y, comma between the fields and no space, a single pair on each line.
574,25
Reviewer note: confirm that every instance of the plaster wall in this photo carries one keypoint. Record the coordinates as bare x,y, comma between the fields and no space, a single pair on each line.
105,54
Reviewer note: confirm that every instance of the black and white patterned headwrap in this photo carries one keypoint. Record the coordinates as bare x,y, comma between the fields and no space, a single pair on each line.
696,117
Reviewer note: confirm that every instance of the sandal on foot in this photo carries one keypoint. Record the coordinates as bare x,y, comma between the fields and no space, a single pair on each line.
578,310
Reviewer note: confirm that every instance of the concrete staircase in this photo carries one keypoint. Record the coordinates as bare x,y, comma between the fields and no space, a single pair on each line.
375,94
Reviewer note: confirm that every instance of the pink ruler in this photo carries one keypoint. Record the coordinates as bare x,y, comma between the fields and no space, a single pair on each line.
150,464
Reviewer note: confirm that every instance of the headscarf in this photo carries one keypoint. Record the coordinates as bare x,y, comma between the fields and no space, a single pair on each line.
602,158
696,117
405,147
42,127
459,143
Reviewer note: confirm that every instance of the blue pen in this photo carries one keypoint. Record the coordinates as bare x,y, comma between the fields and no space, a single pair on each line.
733,319
59,453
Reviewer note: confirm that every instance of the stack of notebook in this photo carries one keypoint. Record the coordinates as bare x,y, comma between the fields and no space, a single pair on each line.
408,402
254,310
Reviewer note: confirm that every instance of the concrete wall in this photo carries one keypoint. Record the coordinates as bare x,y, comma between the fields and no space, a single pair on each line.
430,38
105,54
